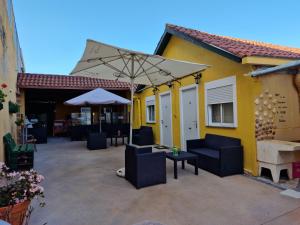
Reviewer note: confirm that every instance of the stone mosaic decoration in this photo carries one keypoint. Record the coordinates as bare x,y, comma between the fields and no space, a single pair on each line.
265,115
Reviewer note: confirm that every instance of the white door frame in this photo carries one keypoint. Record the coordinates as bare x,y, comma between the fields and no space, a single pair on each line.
192,86
160,116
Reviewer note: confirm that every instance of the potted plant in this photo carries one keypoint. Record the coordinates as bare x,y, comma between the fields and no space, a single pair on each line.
175,151
13,107
2,95
19,122
17,189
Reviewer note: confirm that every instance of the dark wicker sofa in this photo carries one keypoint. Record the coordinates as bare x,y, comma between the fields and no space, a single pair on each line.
217,154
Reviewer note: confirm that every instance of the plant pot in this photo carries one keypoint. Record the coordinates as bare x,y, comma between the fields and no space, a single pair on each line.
16,214
175,153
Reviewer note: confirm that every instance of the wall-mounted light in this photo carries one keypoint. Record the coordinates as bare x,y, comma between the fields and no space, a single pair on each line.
155,90
169,84
197,78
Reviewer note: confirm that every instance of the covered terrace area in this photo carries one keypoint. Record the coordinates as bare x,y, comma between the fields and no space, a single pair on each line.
42,98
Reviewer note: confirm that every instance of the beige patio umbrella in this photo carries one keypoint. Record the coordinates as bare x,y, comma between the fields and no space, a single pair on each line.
98,97
104,61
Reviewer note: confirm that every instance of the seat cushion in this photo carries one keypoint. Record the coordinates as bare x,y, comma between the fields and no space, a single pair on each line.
24,148
16,149
30,147
207,152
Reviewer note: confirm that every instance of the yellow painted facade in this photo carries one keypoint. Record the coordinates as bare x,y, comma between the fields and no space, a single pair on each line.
220,67
9,66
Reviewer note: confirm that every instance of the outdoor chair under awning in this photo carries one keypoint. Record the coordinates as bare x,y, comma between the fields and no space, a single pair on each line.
97,97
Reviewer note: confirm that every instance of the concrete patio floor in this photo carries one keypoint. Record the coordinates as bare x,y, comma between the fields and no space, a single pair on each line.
82,189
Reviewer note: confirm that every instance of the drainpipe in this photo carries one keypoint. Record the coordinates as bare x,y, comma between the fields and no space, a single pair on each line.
137,101
140,110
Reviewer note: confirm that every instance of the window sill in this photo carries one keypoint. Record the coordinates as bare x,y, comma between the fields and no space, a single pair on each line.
222,126
150,122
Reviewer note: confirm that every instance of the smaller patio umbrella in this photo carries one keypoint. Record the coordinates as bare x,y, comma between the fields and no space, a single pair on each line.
99,97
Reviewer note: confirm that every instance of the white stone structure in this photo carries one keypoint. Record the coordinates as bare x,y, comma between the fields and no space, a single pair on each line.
276,156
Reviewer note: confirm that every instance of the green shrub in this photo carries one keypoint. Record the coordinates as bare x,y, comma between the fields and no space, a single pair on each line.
13,107
19,122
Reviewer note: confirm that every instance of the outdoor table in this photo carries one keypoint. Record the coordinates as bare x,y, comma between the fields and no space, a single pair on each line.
182,156
120,136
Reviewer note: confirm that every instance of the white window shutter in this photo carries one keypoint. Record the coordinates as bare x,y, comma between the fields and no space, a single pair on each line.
150,102
219,95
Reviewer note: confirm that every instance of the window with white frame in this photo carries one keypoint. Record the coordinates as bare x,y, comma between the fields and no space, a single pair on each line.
150,109
221,103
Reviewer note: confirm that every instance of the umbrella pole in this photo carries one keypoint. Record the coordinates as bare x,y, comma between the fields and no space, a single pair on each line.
100,128
131,112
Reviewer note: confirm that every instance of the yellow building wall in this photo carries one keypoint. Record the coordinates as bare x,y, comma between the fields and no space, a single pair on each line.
220,67
21,98
8,69
21,115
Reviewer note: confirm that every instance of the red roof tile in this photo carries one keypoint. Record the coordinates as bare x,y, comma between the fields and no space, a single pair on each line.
47,81
240,47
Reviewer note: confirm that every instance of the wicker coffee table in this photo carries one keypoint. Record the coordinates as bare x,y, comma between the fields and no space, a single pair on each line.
182,156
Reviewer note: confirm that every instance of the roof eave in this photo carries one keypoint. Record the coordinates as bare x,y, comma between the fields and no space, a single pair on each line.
287,66
71,88
164,40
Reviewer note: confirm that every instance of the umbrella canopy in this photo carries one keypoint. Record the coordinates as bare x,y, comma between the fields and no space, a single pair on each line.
108,62
104,61
98,96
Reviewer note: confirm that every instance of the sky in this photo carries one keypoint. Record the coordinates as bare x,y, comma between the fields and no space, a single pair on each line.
53,33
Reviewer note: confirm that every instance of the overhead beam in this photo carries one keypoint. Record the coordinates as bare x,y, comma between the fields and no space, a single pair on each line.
260,60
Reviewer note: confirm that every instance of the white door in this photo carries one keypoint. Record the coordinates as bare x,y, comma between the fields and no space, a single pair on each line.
189,115
165,120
